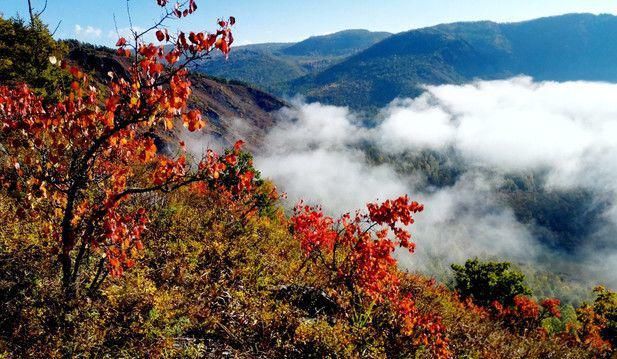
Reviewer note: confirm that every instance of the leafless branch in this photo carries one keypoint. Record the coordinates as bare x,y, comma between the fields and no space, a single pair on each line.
56,29
31,11
33,14
42,10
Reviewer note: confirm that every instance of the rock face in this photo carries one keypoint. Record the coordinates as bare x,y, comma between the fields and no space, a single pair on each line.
233,110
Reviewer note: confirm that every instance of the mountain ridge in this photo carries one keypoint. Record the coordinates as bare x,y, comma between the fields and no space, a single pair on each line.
332,70
495,51
267,65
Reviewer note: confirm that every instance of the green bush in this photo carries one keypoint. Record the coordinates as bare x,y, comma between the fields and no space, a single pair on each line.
486,282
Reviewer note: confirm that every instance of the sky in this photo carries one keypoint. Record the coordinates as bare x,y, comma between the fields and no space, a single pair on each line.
292,20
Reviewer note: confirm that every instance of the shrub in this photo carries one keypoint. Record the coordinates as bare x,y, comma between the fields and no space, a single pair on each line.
487,282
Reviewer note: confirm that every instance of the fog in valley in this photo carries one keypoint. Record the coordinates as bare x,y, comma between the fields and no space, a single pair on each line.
488,136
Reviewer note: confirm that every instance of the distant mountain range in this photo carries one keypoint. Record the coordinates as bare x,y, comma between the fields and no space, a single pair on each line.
367,70
271,65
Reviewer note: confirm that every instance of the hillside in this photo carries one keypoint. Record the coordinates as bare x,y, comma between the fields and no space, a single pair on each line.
220,101
391,68
568,47
112,247
268,65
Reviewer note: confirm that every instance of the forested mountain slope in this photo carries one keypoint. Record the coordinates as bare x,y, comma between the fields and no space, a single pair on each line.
270,65
568,47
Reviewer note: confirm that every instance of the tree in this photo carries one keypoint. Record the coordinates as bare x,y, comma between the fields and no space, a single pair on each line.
78,161
597,322
605,305
20,64
358,250
487,282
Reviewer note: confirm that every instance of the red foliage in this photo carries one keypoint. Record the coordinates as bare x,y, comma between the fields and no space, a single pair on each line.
589,330
360,256
526,307
526,314
552,306
78,161
392,212
313,229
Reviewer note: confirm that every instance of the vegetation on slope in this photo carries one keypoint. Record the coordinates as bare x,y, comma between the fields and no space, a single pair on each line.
19,63
217,268
209,283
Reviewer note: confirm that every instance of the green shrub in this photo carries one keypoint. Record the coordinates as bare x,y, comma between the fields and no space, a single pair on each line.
25,53
486,282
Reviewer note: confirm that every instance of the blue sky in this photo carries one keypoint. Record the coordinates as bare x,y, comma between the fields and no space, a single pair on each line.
292,20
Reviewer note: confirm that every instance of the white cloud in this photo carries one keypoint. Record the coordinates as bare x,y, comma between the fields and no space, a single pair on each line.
87,32
512,124
464,221
338,180
415,124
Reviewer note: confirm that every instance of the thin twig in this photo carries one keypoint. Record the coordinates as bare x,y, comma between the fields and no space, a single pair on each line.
42,10
31,12
56,29
128,12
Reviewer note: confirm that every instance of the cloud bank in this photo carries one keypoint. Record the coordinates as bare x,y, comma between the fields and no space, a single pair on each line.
567,131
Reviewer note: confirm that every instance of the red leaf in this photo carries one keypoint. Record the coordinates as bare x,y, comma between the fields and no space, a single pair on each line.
160,35
193,38
238,145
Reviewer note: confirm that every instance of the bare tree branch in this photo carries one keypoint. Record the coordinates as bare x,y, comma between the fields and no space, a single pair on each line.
42,10
31,11
33,14
56,29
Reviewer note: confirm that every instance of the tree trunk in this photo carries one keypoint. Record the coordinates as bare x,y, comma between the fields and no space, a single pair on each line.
67,264
68,242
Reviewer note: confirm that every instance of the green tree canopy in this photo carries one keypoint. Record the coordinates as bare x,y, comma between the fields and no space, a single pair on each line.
29,54
486,282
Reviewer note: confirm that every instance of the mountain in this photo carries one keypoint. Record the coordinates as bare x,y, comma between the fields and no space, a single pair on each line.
341,43
267,65
391,68
561,48
224,270
220,101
